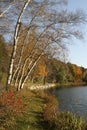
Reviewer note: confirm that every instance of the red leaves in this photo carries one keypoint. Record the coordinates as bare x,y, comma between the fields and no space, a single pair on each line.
11,108
10,102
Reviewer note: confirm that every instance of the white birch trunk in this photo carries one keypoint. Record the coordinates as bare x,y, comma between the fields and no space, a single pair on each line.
19,69
17,77
23,69
15,42
19,63
22,50
25,79
30,69
20,82
31,50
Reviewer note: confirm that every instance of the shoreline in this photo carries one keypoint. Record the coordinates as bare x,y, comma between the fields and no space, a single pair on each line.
55,85
41,87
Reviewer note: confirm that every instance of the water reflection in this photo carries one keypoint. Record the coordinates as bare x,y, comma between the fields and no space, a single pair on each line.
72,99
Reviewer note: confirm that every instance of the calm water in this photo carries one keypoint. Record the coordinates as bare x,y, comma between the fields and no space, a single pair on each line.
72,99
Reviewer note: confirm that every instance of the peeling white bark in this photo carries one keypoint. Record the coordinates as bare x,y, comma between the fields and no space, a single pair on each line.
20,82
25,79
17,29
22,49
30,68
18,66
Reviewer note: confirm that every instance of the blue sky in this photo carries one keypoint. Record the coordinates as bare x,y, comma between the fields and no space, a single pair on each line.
78,49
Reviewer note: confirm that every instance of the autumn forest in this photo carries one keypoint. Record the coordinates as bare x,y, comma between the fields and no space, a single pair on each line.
34,40
48,70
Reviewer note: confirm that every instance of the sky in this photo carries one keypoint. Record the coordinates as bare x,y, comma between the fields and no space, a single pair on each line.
78,49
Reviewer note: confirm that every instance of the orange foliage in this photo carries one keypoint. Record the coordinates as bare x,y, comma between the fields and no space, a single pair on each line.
42,70
78,72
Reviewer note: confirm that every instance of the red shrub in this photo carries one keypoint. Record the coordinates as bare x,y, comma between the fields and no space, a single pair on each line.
11,107
10,102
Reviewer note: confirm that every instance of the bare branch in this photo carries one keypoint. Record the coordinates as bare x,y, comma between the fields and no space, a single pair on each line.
6,10
16,41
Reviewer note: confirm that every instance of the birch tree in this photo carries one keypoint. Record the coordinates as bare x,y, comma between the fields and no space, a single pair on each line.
16,36
42,27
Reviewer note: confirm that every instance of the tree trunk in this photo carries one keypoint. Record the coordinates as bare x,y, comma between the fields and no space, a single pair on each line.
17,29
44,80
25,79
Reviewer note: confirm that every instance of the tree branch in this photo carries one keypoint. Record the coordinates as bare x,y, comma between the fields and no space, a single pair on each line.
17,29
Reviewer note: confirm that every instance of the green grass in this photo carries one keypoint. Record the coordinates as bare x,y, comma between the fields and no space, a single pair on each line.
41,113
32,118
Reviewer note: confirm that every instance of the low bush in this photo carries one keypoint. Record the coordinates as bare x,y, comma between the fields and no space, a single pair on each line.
10,107
69,121
50,114
50,109
63,121
20,111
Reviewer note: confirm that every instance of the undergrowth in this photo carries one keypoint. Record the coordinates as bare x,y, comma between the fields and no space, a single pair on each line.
37,110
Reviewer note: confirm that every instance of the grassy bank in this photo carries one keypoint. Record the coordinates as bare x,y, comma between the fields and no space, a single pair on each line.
36,110
28,118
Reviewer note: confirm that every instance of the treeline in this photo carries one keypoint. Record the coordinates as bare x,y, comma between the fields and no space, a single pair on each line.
48,69
55,71
67,72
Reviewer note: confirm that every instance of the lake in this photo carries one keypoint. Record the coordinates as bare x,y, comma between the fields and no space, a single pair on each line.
73,99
